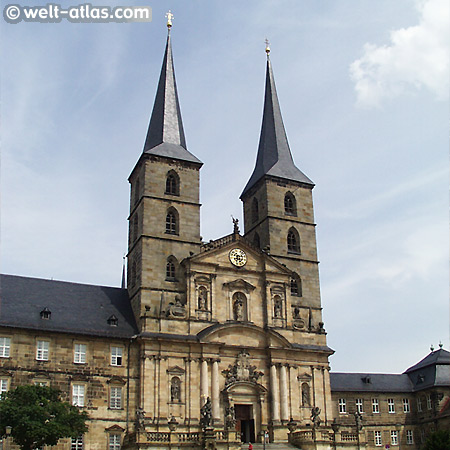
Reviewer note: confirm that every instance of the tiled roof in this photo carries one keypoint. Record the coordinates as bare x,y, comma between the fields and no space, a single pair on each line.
370,382
74,308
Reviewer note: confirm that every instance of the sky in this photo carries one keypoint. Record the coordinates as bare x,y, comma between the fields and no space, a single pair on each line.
364,92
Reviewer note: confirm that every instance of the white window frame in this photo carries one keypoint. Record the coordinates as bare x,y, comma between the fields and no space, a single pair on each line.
78,395
394,437
419,404
4,386
342,406
377,438
375,406
114,441
391,405
429,403
409,437
5,347
79,353
42,350
359,405
116,356
115,397
77,443
406,407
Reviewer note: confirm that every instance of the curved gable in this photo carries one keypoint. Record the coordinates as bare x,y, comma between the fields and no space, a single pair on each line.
243,335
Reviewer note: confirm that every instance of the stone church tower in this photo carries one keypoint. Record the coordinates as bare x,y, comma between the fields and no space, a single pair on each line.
231,330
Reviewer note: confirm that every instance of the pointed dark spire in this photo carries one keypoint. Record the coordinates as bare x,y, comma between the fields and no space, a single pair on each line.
274,156
165,136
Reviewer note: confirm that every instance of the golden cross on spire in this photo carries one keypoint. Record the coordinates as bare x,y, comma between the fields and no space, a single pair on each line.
169,16
267,46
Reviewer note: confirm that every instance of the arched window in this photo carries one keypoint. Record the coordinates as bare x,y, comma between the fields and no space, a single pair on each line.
255,210
296,285
293,241
133,273
171,268
136,191
175,389
290,205
172,221
172,183
256,240
135,226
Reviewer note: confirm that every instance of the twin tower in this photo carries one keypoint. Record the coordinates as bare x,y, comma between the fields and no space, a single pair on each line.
237,320
164,221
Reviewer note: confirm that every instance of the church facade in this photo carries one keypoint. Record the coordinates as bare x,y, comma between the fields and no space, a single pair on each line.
211,343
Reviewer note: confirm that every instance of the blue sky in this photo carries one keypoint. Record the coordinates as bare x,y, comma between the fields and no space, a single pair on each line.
363,88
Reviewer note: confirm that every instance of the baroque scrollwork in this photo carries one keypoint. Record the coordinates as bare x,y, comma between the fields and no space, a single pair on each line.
241,370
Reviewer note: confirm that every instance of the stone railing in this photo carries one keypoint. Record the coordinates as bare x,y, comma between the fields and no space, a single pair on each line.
349,437
211,245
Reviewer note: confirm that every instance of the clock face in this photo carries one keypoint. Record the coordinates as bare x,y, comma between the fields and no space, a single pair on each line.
238,257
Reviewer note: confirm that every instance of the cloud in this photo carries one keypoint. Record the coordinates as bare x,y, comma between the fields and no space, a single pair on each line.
417,58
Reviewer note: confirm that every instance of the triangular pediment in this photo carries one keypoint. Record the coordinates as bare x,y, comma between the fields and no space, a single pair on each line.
239,284
176,370
219,253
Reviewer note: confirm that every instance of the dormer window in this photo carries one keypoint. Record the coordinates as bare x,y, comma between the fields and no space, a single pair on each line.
113,321
46,314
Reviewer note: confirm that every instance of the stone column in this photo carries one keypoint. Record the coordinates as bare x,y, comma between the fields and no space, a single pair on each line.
284,394
275,394
204,382
215,391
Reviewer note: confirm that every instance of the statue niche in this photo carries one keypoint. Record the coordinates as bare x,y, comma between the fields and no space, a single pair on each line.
239,307
202,298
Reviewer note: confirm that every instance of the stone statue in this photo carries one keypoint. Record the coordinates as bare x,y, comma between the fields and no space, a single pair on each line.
230,420
235,225
305,395
202,299
315,412
238,309
175,390
140,415
278,307
206,414
296,312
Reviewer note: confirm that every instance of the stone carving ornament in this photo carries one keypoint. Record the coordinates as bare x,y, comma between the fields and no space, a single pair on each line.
241,370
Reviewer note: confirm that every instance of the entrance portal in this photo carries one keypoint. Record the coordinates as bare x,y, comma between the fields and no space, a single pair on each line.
245,423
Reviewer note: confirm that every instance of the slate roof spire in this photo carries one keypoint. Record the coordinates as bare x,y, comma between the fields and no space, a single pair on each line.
274,155
165,136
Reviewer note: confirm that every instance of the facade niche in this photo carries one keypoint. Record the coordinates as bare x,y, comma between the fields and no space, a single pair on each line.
175,389
239,307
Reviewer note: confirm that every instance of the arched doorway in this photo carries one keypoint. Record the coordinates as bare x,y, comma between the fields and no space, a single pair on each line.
248,399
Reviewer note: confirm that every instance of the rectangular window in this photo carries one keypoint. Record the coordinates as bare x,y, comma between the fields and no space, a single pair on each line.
78,394
116,356
409,437
394,437
342,406
5,347
77,443
375,406
359,405
391,405
429,404
42,350
406,408
377,437
41,383
115,398
79,354
114,442
3,386
419,404
422,436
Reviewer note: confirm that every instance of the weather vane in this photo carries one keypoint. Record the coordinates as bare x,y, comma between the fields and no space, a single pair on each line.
169,16
267,46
